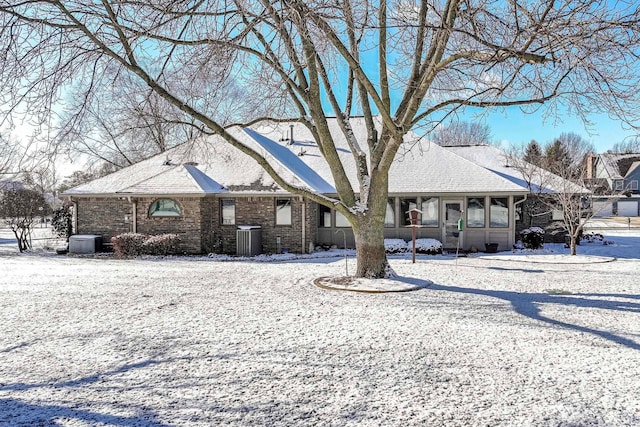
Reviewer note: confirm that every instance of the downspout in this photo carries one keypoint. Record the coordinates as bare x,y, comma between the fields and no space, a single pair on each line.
134,214
514,214
304,226
74,222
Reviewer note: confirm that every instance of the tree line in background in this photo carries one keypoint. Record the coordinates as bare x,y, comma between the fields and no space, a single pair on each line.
86,68
34,194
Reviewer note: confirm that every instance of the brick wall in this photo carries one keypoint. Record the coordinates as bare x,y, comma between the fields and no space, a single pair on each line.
199,225
261,211
103,216
188,226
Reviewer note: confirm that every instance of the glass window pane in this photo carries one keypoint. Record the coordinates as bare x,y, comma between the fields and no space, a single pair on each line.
283,211
499,212
430,209
475,212
405,206
325,216
341,220
228,211
390,214
164,208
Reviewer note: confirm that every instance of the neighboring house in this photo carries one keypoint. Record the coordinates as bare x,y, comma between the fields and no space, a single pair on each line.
11,185
618,176
205,190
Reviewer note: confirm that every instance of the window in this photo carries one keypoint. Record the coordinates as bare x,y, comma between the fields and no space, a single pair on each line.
430,209
633,185
324,219
405,206
475,212
283,211
619,185
341,220
164,208
228,211
499,212
390,213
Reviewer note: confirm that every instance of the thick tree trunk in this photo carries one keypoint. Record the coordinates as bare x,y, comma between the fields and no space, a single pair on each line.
368,231
371,256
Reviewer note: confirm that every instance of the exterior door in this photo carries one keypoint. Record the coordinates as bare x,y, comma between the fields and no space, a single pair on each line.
452,213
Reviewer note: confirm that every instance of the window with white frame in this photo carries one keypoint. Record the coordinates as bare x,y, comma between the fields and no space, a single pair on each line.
390,213
405,206
341,220
164,208
499,212
430,208
475,212
227,211
283,211
324,216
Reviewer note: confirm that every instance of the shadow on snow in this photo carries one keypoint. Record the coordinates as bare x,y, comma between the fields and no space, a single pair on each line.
15,411
527,304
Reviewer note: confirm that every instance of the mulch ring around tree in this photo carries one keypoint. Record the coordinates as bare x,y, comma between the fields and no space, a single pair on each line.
372,286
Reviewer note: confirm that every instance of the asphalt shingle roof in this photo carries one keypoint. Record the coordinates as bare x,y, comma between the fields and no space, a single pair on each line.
210,165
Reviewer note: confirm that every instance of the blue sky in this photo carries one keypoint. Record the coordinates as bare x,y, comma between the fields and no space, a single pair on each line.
514,127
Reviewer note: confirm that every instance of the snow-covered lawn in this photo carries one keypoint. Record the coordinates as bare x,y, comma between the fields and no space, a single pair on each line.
513,339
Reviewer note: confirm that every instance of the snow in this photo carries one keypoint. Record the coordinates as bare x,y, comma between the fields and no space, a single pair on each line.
292,162
526,338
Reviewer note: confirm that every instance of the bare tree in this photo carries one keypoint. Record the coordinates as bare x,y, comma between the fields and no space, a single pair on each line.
410,63
124,125
462,133
19,207
630,146
559,181
7,156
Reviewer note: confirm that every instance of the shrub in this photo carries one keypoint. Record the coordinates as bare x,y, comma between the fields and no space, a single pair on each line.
61,222
592,237
532,238
163,244
128,244
134,244
394,246
428,246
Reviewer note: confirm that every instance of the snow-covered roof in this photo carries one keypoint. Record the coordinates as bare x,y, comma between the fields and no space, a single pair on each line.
11,185
210,165
202,166
614,164
517,171
420,167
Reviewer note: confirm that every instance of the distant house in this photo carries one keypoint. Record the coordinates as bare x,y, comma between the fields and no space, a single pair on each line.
206,190
617,176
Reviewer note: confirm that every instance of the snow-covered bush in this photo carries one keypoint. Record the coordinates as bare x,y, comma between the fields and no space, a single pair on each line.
394,246
134,244
532,238
128,244
428,246
162,244
61,221
592,237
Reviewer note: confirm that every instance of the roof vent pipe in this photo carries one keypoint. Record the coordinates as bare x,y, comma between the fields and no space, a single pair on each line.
291,140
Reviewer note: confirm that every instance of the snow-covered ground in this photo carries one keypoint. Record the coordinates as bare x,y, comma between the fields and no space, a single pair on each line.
509,339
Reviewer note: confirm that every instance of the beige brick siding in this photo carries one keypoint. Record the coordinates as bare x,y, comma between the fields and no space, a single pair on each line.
261,211
188,226
104,216
199,225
